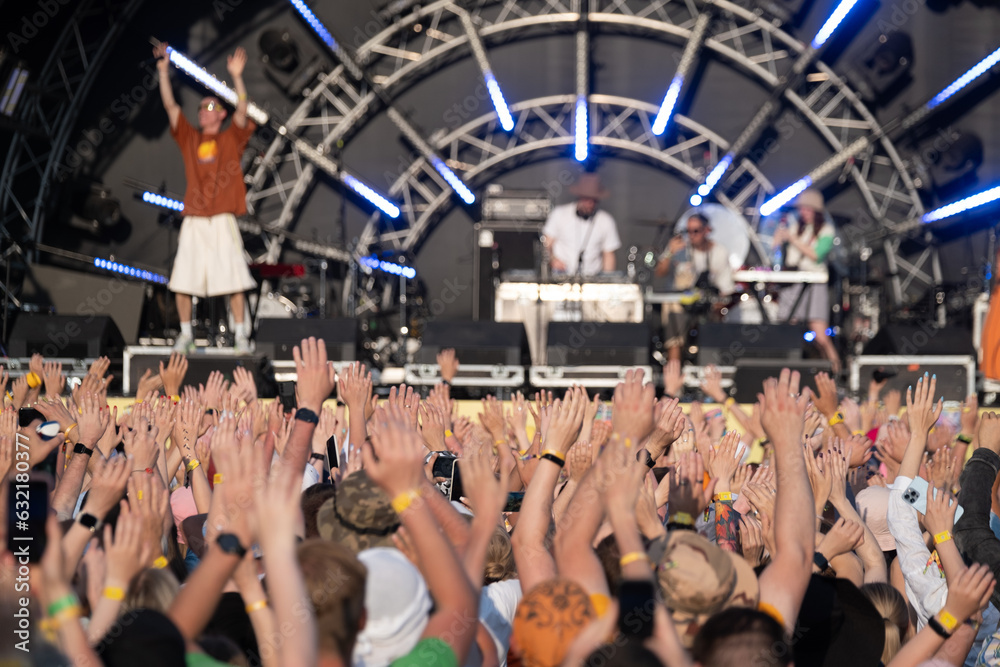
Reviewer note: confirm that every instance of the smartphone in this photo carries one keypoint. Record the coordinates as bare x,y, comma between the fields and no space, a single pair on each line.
636,608
27,415
443,465
951,415
514,500
916,495
27,511
457,490
333,452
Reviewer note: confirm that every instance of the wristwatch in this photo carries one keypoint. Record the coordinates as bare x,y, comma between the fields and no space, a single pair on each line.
316,456
230,544
306,415
89,521
80,448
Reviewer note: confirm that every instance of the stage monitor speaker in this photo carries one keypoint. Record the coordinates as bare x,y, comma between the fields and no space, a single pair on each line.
751,373
277,337
482,343
501,246
201,365
72,336
916,340
724,344
597,344
78,293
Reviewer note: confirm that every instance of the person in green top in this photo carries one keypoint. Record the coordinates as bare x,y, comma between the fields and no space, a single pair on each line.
809,242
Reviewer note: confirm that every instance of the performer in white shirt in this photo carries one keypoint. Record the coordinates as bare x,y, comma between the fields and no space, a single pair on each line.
582,239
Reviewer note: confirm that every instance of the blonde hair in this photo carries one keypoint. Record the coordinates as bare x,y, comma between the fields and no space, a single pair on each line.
499,558
151,589
335,579
892,607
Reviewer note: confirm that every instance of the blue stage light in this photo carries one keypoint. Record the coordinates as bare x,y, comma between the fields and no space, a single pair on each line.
130,271
157,199
376,264
454,181
375,198
581,130
838,15
785,196
715,176
696,200
199,74
499,103
668,104
962,205
981,68
315,24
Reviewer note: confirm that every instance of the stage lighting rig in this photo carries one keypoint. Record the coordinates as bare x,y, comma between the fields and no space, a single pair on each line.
885,70
286,65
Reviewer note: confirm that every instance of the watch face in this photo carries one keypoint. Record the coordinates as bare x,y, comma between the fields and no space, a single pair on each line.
230,544
88,521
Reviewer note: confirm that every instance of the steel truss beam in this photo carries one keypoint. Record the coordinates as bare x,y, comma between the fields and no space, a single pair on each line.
33,165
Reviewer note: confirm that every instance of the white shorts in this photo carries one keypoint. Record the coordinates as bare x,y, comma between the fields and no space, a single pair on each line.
210,258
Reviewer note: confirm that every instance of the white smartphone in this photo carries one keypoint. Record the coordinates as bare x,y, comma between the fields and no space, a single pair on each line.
916,495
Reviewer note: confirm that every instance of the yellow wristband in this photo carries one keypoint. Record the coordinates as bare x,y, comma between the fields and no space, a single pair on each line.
160,562
836,419
68,429
682,518
632,557
943,536
256,606
217,479
723,496
114,593
554,453
448,433
730,402
403,501
33,379
192,464
240,97
947,620
499,442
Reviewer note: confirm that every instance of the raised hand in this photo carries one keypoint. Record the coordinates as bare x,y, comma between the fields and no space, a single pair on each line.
236,62
782,408
93,421
394,458
448,363
970,415
127,553
579,460
826,400
432,427
940,516
751,540
492,419
673,379
989,432
55,381
844,537
921,411
355,387
316,376
633,407
213,390
711,384
687,491
484,492
148,383
140,444
160,53
404,404
567,417
6,455
821,483
722,463
173,373
970,591
244,387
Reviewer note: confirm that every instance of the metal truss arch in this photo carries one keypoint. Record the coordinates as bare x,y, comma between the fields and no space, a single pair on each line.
401,55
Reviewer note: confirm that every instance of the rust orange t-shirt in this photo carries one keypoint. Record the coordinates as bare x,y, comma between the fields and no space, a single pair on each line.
212,168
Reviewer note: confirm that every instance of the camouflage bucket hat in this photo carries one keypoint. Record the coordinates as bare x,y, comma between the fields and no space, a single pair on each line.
699,579
359,515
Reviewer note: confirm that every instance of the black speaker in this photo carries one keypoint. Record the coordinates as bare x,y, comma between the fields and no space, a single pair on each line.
917,340
73,336
277,337
597,344
751,373
481,343
79,293
725,344
201,365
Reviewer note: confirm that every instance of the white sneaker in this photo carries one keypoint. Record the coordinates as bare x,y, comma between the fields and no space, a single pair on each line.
243,345
184,343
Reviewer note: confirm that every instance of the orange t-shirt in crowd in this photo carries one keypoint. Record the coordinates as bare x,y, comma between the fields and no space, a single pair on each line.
212,168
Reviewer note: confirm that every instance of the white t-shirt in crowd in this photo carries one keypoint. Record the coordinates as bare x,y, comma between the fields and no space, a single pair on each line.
572,235
497,606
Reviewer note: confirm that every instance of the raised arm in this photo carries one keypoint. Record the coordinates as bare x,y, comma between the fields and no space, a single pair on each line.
783,584
921,412
235,64
166,92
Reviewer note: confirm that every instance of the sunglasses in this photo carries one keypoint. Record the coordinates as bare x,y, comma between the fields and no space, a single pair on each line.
697,230
210,106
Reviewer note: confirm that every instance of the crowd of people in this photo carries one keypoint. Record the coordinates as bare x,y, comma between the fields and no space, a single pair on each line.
204,526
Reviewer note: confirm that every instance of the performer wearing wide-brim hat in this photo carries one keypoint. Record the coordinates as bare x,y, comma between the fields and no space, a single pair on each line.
582,239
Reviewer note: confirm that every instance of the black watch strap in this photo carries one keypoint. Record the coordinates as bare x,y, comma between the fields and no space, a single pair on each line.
306,415
316,456
820,561
80,448
231,544
90,521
